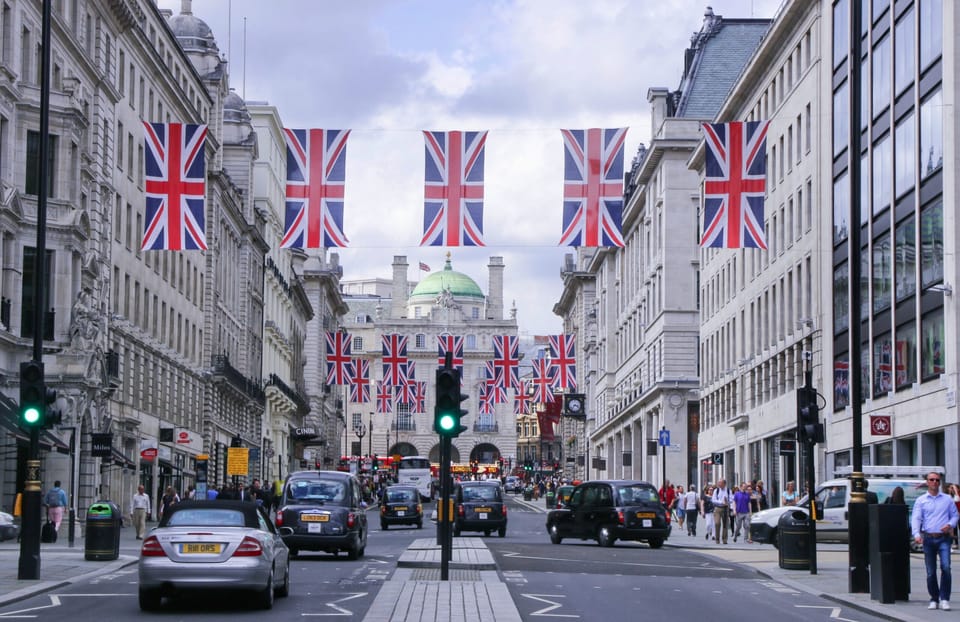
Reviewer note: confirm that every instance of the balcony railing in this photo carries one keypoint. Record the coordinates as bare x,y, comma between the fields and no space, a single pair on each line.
294,396
486,427
404,426
250,388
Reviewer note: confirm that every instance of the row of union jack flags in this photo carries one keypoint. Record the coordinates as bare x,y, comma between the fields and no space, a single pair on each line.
400,386
733,206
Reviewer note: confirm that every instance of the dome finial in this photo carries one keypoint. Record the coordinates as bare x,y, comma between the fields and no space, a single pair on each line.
186,7
448,265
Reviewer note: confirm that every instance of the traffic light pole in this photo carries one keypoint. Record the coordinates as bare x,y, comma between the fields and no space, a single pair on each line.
444,525
810,451
29,563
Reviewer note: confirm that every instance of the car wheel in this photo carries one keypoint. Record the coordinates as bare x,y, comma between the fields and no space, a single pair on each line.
605,536
265,597
284,588
353,553
554,534
294,552
149,599
655,543
502,532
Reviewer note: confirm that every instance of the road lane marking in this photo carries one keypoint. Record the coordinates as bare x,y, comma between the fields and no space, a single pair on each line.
340,611
834,611
545,612
580,561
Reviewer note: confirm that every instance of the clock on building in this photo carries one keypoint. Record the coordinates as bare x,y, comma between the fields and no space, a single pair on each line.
575,406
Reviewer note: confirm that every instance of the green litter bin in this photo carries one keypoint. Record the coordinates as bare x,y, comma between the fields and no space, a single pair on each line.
102,535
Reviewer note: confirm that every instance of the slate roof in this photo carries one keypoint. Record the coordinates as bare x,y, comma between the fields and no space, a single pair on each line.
720,51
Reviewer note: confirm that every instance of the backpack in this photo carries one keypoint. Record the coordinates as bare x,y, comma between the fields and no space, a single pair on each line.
52,499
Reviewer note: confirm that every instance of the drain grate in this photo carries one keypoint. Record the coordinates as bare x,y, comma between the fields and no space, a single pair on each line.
455,574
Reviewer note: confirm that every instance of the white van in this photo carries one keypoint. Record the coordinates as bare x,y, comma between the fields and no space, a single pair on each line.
834,495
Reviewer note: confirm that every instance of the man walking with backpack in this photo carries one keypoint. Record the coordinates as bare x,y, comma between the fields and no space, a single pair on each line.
55,500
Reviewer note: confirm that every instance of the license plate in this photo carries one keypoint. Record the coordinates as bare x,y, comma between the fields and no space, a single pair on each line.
647,522
199,548
482,515
646,515
483,510
314,528
315,518
400,508
401,513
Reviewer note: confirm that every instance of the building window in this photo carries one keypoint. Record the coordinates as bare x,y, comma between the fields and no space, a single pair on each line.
32,173
931,32
420,341
906,353
361,319
416,313
931,134
905,164
841,298
841,208
470,342
881,76
475,313
841,382
882,173
931,355
358,344
931,244
882,273
882,365
905,57
905,259
841,119
841,31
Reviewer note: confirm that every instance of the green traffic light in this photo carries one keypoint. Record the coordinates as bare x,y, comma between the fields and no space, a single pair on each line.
446,422
31,415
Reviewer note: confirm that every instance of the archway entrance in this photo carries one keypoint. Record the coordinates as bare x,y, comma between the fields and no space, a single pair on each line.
403,449
435,454
485,453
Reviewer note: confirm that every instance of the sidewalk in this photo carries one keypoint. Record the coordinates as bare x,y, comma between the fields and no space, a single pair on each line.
60,564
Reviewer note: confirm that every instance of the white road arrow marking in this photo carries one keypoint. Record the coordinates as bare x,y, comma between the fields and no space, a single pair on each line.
834,611
54,602
546,610
560,559
340,611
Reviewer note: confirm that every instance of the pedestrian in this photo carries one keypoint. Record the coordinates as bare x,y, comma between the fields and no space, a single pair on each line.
170,497
896,497
211,493
678,511
706,510
760,491
55,500
191,491
667,498
139,511
954,493
741,502
932,523
721,504
789,496
691,504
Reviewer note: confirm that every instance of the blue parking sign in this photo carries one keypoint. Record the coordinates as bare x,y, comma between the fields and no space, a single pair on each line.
664,438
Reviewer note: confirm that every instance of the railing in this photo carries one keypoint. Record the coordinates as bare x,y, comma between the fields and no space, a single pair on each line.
486,427
404,426
289,392
251,388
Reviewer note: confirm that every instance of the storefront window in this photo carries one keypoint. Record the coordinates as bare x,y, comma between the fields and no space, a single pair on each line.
931,339
905,258
906,373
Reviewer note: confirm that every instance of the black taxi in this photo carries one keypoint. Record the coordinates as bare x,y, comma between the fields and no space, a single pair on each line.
400,505
607,511
479,506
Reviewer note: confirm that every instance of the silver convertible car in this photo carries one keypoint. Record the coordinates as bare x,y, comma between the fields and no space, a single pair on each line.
214,545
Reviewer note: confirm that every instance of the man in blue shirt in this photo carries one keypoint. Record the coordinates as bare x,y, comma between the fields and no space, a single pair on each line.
934,519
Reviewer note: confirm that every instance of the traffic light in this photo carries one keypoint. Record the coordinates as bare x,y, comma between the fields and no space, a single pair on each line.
809,428
52,415
373,464
32,395
447,414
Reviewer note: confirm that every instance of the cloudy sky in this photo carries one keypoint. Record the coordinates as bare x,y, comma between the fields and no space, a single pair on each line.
522,69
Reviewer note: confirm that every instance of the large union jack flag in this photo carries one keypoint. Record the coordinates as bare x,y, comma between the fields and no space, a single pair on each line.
453,189
496,391
734,184
419,405
339,363
485,400
407,390
316,168
175,174
563,357
394,359
521,401
542,381
452,344
384,398
592,187
360,381
506,360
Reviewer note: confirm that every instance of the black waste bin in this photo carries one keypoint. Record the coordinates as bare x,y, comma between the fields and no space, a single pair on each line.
527,493
551,498
889,552
102,537
793,536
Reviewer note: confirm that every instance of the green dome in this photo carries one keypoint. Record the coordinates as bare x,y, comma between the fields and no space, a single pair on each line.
459,284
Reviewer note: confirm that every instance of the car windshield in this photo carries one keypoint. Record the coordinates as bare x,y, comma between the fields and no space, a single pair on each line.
630,495
206,517
480,493
317,490
400,496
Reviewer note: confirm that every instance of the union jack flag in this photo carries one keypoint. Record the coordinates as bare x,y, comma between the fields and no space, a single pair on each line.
593,187
452,344
175,174
564,359
485,400
316,167
419,405
407,390
495,390
506,360
734,184
339,363
384,398
542,381
394,359
521,401
360,382
453,189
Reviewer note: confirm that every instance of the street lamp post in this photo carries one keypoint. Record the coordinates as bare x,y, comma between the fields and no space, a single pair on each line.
360,431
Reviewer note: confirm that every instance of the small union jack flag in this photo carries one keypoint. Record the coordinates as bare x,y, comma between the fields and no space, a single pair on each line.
593,187
407,390
453,189
485,400
452,344
734,184
506,360
339,363
543,381
360,381
521,401
563,357
419,405
394,359
316,168
384,398
495,390
175,175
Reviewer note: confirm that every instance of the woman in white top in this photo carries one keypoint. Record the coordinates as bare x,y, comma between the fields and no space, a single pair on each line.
789,496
